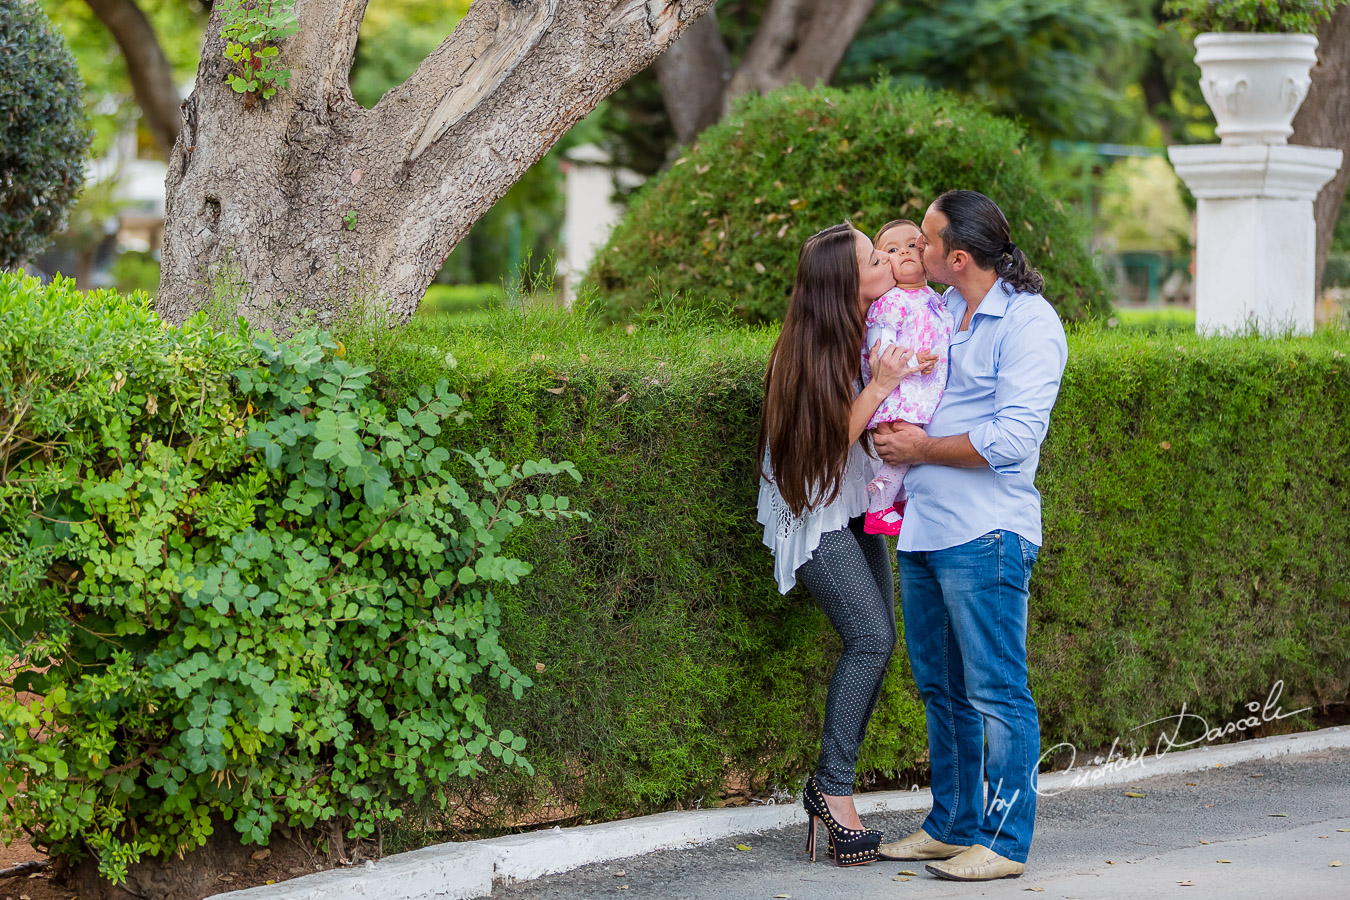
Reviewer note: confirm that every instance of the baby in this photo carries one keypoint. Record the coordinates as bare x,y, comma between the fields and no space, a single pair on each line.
912,315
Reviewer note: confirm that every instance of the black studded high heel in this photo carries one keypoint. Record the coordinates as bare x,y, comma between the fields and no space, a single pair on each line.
848,846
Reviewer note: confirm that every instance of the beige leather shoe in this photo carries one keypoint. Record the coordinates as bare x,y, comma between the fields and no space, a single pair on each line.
977,863
919,846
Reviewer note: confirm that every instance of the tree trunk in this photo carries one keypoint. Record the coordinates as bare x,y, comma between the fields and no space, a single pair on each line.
308,201
797,40
151,74
693,75
1324,121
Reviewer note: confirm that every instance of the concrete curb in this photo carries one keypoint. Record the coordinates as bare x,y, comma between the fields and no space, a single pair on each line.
460,871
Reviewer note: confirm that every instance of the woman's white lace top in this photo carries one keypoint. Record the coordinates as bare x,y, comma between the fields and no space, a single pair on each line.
794,539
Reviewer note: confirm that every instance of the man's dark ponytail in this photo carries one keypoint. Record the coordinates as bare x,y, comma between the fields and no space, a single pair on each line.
976,225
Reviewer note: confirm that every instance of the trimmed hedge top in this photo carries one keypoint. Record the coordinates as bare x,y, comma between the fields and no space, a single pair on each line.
721,229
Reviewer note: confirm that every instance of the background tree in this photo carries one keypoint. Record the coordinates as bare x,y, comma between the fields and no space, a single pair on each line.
1324,121
1061,67
43,133
308,200
795,41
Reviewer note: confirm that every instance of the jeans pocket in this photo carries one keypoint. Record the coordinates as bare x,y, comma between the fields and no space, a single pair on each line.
1029,553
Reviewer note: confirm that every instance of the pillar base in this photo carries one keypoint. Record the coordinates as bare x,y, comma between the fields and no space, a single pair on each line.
1255,235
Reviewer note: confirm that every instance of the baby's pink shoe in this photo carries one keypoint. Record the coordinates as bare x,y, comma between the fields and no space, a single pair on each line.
887,522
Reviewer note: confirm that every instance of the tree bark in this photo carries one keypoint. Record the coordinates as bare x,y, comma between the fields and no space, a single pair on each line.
693,75
308,201
798,40
151,74
1324,121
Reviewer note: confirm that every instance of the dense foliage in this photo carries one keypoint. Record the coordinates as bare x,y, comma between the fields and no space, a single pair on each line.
1196,551
722,227
1059,67
236,584
1258,16
43,134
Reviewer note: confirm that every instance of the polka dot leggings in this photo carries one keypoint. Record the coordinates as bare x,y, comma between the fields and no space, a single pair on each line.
850,577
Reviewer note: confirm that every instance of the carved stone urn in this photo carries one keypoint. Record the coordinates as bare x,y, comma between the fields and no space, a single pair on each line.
1255,83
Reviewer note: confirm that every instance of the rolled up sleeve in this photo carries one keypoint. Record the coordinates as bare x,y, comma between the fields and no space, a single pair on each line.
1029,370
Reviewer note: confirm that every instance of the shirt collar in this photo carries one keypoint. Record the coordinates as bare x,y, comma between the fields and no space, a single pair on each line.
995,303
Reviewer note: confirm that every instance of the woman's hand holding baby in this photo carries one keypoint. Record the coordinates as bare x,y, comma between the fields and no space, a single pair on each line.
891,366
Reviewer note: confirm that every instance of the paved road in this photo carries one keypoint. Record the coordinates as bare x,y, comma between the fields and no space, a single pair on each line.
1275,821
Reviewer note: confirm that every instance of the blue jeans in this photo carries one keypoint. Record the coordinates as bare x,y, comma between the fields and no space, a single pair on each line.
965,612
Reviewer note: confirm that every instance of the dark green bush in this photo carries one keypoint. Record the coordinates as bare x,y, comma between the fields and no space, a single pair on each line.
43,133
242,587
1252,16
1197,549
722,227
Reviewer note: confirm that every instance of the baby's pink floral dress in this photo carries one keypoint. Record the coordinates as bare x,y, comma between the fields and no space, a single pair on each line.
919,320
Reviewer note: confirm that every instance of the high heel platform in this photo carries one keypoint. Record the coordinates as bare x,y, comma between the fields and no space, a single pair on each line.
848,846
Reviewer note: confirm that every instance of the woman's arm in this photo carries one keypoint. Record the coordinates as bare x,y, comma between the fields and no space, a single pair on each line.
888,369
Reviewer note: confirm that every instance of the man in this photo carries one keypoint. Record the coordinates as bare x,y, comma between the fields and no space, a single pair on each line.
971,532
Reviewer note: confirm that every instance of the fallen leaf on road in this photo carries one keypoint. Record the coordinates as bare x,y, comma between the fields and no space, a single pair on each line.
1279,815
1335,864
742,847
1036,889
1110,862
1323,837
1223,860
906,872
623,887
1203,841
261,854
620,874
899,878
1186,883
1135,794
1190,784
781,896
1343,829
1257,775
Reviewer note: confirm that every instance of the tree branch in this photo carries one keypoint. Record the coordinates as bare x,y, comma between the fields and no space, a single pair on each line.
1324,121
326,43
693,74
798,40
151,75
477,113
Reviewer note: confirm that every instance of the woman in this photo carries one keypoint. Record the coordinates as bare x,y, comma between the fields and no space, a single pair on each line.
813,499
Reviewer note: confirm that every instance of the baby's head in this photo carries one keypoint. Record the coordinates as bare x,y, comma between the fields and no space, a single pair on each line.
898,241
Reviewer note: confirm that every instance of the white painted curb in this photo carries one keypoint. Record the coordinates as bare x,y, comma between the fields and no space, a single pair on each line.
459,871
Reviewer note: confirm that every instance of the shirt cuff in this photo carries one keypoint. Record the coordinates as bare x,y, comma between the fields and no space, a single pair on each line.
983,437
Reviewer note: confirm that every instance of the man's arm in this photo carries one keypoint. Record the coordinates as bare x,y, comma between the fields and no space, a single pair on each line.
1030,369
908,444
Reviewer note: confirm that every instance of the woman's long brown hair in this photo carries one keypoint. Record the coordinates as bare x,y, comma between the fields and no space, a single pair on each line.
809,384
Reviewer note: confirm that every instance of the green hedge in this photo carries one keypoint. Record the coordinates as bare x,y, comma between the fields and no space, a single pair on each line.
1196,552
1197,549
720,230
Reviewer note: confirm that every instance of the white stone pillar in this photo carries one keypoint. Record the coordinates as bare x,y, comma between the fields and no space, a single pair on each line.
590,215
1255,235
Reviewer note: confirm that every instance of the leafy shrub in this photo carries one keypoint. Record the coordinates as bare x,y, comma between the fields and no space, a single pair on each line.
723,226
239,584
1196,550
43,133
1255,16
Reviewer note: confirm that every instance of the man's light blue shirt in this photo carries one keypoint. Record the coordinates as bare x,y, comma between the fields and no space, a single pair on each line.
1003,380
